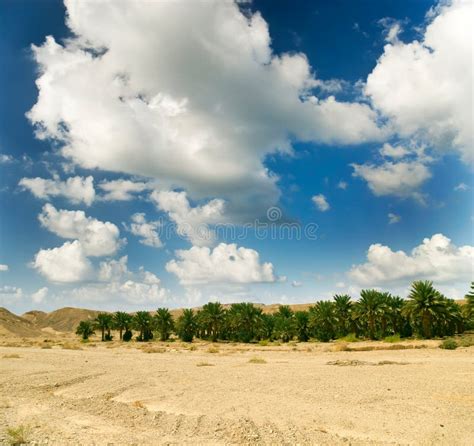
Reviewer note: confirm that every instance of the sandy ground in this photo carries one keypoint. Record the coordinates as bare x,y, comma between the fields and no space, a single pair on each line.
290,395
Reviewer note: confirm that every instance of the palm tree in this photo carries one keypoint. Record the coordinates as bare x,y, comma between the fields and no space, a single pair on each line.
143,323
424,305
186,325
285,323
469,306
163,323
212,317
369,308
85,329
267,326
342,311
323,321
103,321
244,320
122,322
301,325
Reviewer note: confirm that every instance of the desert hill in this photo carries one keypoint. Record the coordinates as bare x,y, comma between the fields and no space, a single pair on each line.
63,320
13,325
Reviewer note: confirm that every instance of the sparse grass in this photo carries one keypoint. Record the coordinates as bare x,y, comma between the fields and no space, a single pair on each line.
46,347
138,404
70,346
449,344
204,364
154,350
11,356
192,348
263,342
466,340
393,338
351,337
17,436
212,349
256,360
341,347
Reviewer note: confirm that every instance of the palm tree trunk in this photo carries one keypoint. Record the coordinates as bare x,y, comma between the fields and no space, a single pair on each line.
103,334
120,333
426,322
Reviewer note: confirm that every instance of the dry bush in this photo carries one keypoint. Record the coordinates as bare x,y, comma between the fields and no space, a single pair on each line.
154,350
212,349
341,347
46,347
17,436
256,360
11,356
204,364
138,404
70,346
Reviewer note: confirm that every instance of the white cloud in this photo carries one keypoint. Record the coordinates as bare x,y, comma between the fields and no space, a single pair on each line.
97,238
342,185
9,293
425,87
402,179
121,190
65,264
3,267
6,159
226,263
76,189
119,286
393,218
132,92
390,151
461,187
321,202
192,222
437,259
146,230
38,296
296,284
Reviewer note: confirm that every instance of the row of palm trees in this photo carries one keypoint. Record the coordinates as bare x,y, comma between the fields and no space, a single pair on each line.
376,315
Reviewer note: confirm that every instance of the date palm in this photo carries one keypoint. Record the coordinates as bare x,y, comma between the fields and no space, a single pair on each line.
142,322
424,305
244,320
285,323
369,307
186,325
212,316
302,325
469,306
323,321
342,311
164,323
85,329
122,322
104,321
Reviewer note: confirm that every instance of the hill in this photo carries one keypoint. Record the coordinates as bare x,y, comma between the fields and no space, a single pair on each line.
63,320
11,324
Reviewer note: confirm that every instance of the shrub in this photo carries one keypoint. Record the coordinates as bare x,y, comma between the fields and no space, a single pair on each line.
393,338
127,336
351,337
204,364
263,342
213,350
256,360
108,337
17,436
449,344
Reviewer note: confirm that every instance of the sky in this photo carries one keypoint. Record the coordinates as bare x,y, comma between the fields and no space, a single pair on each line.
171,153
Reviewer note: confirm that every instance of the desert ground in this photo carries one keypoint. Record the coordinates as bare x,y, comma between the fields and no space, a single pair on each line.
171,393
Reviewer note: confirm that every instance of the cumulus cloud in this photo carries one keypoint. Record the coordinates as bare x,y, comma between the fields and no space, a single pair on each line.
425,87
117,285
296,284
437,259
3,267
10,293
461,187
393,218
97,238
131,83
121,190
321,202
394,151
226,263
192,222
342,185
38,296
75,189
146,230
401,179
65,264
6,159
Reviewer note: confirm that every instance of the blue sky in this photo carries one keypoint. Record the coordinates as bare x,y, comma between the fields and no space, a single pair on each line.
354,118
